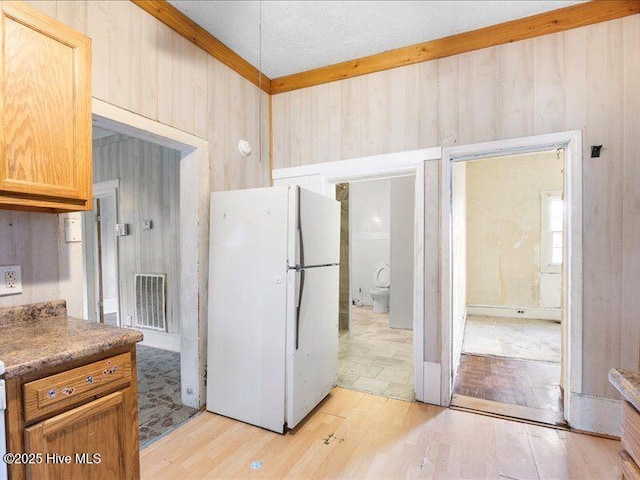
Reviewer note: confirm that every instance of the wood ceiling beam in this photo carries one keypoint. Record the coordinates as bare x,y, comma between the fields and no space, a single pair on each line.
179,22
543,24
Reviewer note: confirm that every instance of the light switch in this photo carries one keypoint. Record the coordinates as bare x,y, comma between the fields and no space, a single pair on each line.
122,229
147,224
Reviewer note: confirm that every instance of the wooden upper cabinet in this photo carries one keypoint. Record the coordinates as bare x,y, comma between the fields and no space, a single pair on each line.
45,112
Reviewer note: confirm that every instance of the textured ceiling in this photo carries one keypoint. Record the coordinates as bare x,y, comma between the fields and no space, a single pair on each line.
301,35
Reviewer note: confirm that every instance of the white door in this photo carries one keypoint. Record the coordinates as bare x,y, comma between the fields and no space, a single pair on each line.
319,222
312,324
248,306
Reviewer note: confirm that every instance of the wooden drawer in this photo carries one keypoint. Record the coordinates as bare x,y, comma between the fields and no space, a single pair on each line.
55,393
629,470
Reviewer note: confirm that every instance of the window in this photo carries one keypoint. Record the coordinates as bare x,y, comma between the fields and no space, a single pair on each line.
552,223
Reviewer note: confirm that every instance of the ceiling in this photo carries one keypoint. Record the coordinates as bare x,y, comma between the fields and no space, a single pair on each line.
301,35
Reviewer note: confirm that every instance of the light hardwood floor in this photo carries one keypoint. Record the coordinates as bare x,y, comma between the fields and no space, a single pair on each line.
358,435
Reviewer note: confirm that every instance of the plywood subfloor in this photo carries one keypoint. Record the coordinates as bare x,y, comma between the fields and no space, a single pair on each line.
358,435
375,358
523,338
535,386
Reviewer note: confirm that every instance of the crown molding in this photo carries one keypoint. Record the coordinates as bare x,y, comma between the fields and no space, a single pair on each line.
537,25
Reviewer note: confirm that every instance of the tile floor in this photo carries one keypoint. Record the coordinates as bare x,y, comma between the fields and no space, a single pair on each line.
375,358
160,407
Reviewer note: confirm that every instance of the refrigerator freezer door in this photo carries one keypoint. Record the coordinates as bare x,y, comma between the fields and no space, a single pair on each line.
312,368
318,218
248,306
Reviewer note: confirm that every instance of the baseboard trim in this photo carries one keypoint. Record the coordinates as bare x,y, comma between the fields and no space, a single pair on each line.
515,312
596,414
431,372
161,340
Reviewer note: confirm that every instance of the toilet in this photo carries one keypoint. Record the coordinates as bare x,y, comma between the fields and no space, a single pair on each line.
380,293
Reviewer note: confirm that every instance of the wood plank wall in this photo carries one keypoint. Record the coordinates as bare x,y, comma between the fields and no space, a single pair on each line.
143,66
149,188
30,240
587,78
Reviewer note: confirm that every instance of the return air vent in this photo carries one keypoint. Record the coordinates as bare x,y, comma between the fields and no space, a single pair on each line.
151,301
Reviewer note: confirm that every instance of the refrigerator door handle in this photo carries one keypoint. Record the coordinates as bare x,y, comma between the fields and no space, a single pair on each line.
301,265
299,307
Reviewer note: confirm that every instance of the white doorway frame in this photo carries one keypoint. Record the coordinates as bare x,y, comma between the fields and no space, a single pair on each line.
102,190
323,177
194,232
571,142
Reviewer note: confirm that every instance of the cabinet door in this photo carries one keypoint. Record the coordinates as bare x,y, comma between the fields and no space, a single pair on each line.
105,426
45,109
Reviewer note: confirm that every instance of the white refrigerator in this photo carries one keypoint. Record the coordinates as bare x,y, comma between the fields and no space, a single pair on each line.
272,352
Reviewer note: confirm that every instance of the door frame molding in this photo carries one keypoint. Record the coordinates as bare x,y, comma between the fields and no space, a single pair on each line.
571,141
194,235
100,190
322,177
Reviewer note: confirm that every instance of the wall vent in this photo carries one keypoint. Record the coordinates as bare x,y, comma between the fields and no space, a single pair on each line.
151,305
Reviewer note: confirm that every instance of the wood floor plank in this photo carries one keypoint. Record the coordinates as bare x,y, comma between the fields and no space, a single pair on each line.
513,451
353,435
548,446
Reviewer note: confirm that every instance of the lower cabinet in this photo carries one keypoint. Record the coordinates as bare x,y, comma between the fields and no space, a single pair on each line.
90,441
76,421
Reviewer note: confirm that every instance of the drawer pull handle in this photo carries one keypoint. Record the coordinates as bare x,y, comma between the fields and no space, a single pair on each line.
89,379
51,393
68,390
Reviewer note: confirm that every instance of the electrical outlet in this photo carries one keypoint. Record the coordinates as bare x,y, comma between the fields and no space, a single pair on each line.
10,280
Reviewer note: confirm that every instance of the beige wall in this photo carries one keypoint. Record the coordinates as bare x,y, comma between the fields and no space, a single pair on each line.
503,227
149,189
141,65
586,78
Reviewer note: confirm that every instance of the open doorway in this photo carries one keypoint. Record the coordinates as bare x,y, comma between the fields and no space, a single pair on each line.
422,165
377,286
507,257
135,254
105,256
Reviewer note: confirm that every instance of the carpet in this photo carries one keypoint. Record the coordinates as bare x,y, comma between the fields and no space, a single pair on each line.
159,406
520,338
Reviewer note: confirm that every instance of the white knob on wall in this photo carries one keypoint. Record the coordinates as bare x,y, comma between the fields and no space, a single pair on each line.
244,147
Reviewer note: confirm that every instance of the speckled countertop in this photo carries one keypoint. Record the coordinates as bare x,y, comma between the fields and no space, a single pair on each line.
42,335
628,384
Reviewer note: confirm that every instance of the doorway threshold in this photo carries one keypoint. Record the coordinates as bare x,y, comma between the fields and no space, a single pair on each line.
538,416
